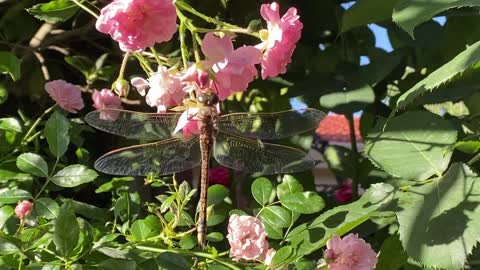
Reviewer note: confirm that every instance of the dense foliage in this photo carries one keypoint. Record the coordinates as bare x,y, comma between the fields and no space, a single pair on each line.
419,125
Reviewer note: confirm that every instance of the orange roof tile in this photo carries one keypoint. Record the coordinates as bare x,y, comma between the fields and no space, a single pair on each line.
334,128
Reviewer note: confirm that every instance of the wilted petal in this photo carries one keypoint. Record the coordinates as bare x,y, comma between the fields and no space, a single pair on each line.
67,95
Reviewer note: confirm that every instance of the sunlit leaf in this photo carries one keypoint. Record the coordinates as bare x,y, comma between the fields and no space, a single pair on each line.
440,221
74,175
54,11
415,140
410,13
445,73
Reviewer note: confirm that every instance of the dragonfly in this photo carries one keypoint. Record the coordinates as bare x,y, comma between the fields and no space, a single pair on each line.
234,140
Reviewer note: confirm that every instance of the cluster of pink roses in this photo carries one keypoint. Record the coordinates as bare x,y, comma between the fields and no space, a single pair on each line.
247,238
138,24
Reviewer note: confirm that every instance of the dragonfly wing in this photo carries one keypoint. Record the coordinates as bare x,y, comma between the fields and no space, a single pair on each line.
254,156
161,158
270,126
134,125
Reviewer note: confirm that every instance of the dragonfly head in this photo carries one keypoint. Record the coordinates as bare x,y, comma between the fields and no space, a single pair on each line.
208,98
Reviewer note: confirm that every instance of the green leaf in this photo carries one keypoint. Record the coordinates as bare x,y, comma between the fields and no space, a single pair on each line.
216,194
81,63
440,221
392,256
469,147
33,164
10,64
215,237
454,67
262,190
116,264
3,94
73,176
410,13
276,215
340,160
46,207
10,124
351,98
142,229
14,195
6,212
307,238
188,242
54,11
56,132
171,261
303,202
66,230
415,140
281,256
289,185
361,13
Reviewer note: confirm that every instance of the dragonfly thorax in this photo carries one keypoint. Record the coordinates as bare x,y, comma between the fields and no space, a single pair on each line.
208,99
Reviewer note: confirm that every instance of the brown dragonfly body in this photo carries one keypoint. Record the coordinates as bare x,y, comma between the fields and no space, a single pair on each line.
207,116
234,140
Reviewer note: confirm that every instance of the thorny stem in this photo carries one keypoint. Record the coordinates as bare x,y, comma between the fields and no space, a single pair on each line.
87,9
188,253
353,142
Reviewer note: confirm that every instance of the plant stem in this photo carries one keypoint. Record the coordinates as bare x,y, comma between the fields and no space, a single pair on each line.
87,9
184,6
474,159
122,67
155,54
35,124
182,31
353,143
48,179
188,253
144,64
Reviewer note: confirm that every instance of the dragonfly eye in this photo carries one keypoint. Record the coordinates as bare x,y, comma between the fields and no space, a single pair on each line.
208,99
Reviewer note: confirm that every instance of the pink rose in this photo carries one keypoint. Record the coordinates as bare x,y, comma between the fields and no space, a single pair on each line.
218,175
138,24
166,88
279,41
23,208
349,253
234,69
269,256
105,99
67,95
344,193
247,239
